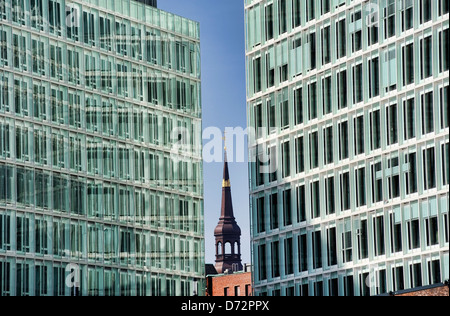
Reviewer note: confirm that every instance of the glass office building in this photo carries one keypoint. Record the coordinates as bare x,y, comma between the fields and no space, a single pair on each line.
349,101
95,186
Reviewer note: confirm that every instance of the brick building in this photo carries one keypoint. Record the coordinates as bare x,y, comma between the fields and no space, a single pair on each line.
234,284
432,290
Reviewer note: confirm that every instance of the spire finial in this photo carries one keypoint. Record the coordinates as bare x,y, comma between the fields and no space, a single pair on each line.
225,140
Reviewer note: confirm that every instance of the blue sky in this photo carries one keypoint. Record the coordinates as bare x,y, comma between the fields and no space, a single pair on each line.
222,40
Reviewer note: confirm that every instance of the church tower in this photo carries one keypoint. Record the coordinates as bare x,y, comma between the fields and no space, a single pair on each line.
227,232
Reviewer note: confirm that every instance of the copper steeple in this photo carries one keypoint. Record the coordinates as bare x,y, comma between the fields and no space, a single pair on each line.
227,232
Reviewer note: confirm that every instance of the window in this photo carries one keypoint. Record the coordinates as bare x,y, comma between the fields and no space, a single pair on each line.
262,271
445,164
356,31
378,232
357,84
332,246
274,222
5,231
328,144
377,183
312,100
54,16
425,11
298,106
303,252
434,272
275,259
105,34
6,132
409,118
374,77
396,231
296,56
415,274
326,6
5,276
21,96
411,173
301,203
443,102
88,26
329,196
442,7
426,62
345,191
299,157
314,150
310,10
311,50
285,117
269,22
326,95
408,64
121,38
390,69
398,278
23,279
375,130
317,249
282,9
341,89
358,128
389,19
349,286
56,62
38,57
260,215
19,48
41,236
360,182
392,124
393,172
4,93
73,65
287,209
363,241
288,256
414,234
270,68
23,233
427,113
429,168
315,199
407,15
343,140
341,39
18,11
432,231
296,13
257,75
3,49
347,245
443,50
37,19
326,45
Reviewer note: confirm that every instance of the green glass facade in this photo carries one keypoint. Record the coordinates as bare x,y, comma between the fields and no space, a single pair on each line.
91,172
349,101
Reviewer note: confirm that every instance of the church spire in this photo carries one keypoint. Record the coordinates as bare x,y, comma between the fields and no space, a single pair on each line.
227,231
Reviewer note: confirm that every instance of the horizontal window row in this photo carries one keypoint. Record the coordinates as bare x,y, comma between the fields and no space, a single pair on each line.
62,150
377,73
354,27
409,229
96,72
380,280
43,278
55,193
92,28
398,121
98,243
57,105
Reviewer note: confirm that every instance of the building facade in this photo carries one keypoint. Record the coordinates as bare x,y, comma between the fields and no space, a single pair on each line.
232,284
98,195
350,180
